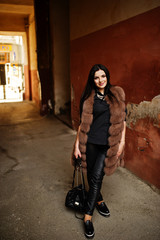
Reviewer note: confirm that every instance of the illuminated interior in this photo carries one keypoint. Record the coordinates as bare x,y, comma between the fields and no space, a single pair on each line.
11,68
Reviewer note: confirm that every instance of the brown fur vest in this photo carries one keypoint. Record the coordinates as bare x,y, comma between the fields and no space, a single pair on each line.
117,117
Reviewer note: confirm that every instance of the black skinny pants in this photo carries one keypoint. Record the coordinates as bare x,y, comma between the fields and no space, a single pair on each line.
95,156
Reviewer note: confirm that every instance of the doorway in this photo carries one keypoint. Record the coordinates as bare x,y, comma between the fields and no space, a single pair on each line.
12,80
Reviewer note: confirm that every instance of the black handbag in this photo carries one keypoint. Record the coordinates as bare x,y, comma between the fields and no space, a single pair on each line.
76,197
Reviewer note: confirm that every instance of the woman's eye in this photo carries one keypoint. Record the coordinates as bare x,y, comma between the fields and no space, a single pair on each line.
103,76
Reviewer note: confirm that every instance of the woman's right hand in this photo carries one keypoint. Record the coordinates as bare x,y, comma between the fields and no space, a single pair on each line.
77,152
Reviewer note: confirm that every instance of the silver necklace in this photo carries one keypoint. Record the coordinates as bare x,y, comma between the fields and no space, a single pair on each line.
100,96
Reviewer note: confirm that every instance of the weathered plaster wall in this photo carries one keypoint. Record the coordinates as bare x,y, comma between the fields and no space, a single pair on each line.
131,51
143,110
88,16
143,140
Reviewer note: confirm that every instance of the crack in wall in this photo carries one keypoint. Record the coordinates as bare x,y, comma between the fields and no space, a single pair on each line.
16,162
150,109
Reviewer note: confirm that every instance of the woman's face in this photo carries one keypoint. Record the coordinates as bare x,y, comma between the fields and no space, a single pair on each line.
100,80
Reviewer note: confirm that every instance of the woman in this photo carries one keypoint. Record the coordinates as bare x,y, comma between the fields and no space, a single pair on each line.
100,137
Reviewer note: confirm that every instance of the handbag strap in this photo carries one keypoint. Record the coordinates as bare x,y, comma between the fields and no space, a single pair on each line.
74,172
77,167
82,176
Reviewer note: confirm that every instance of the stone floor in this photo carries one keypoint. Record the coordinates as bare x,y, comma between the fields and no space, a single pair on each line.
35,175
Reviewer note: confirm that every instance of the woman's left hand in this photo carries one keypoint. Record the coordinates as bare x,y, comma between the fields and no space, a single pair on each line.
120,149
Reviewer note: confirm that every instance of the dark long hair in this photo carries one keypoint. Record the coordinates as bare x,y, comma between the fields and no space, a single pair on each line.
90,85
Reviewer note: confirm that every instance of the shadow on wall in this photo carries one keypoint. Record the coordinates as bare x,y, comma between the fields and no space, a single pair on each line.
65,114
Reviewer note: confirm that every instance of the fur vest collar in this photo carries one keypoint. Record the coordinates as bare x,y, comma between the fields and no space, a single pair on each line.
117,117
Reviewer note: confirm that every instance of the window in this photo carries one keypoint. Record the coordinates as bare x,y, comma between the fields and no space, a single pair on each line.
8,57
2,57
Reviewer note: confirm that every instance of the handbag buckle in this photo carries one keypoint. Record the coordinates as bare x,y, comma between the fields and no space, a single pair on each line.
76,203
77,161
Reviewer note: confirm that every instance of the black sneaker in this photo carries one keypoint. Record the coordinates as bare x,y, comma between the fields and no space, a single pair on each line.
89,229
103,209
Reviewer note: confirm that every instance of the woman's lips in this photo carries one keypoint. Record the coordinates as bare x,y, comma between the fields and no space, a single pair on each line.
101,84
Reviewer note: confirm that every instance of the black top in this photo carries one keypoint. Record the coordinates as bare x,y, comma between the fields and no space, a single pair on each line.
98,133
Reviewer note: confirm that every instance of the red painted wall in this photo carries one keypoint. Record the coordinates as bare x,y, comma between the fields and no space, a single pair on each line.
131,51
27,84
35,87
31,85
